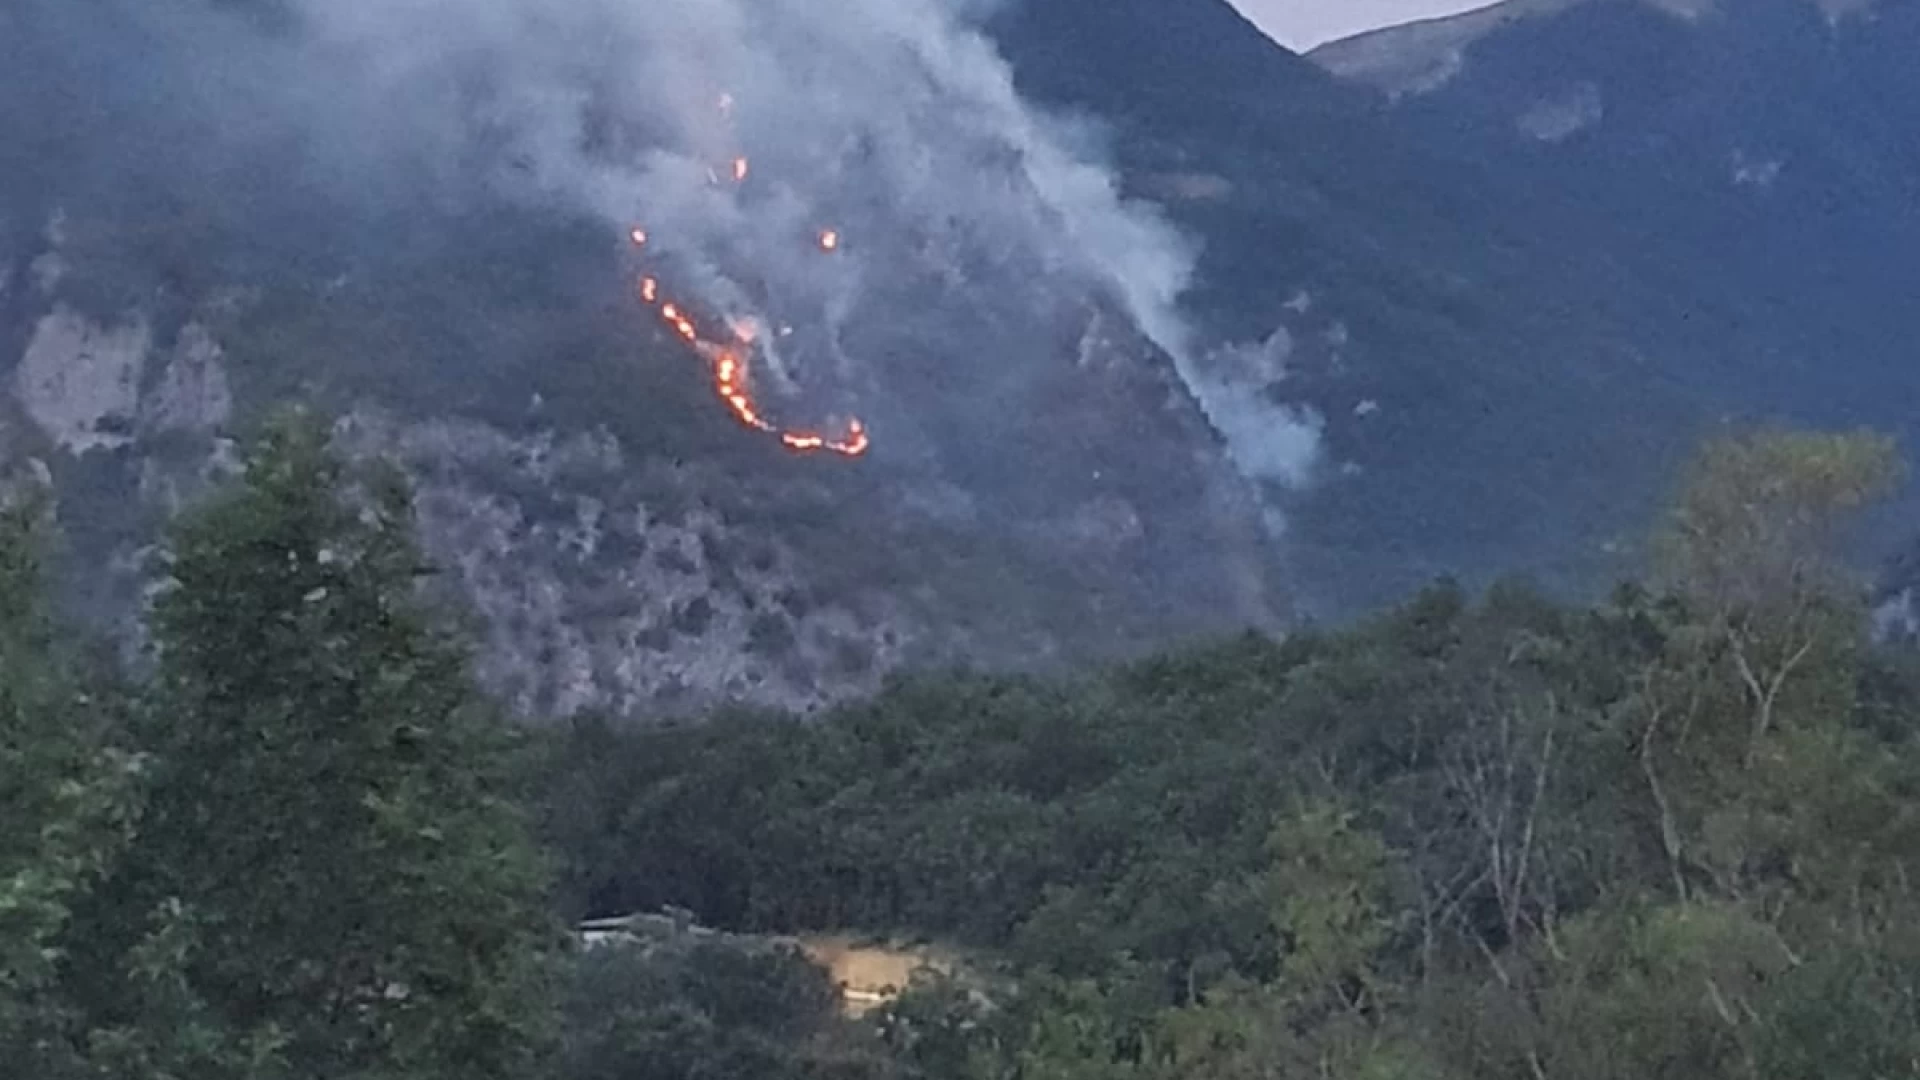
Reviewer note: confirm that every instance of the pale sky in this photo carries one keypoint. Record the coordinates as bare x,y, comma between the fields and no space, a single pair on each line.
1302,24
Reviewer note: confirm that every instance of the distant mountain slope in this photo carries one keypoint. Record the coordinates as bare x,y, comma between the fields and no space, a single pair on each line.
1422,56
196,225
1769,150
1418,57
1513,302
1507,366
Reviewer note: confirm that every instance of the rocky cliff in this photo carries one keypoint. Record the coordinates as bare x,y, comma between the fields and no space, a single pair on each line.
666,561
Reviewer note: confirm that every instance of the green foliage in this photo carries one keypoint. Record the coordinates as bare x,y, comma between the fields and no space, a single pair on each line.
679,1011
1327,893
72,795
327,875
67,801
1667,835
329,815
1757,516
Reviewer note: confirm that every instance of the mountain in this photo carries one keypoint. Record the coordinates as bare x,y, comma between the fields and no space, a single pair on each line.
1466,331
1509,354
200,221
1764,150
1419,56
1771,140
1512,339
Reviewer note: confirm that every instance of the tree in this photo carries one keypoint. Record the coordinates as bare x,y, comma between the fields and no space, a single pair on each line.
724,1009
71,796
1328,885
1751,544
67,803
1757,658
328,805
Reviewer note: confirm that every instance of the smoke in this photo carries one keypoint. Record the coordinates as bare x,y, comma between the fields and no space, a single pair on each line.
1236,384
893,122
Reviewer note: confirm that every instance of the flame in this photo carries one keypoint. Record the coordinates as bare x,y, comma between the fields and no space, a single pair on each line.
856,442
680,322
732,373
853,445
732,380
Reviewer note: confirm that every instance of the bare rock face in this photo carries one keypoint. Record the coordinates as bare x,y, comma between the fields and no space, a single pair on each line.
594,581
80,381
1421,57
1564,115
88,382
604,583
1047,490
193,393
594,578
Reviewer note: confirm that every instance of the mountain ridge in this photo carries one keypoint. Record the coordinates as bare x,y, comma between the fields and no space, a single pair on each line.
1510,322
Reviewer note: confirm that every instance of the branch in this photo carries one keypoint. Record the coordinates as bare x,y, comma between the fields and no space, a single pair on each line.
1669,834
1720,1004
1540,774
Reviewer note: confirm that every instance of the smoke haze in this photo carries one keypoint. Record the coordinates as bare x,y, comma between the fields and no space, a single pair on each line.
892,122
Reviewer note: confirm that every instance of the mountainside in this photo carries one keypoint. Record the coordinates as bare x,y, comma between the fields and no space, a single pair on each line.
1765,151
1508,360
182,249
1770,139
1465,331
1417,57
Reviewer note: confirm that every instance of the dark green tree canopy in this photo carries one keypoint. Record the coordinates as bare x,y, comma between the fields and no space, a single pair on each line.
331,803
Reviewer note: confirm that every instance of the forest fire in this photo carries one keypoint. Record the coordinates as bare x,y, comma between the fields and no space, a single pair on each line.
732,376
731,362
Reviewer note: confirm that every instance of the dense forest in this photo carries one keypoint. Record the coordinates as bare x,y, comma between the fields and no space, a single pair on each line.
1665,835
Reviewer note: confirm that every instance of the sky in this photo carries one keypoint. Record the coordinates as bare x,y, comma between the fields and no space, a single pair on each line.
1302,24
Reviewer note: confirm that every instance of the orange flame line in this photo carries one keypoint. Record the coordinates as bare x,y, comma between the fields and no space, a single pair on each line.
731,374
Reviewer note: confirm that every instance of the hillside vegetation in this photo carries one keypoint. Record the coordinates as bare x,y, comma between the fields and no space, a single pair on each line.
1478,836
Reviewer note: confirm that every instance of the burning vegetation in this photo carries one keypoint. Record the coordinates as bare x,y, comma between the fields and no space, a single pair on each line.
730,356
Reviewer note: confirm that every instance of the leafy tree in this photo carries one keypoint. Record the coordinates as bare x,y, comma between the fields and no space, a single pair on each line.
1328,887
71,795
1669,834
68,803
708,1011
1752,545
328,811
1752,677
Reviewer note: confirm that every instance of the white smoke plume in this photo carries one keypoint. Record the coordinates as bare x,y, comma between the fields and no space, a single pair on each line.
894,122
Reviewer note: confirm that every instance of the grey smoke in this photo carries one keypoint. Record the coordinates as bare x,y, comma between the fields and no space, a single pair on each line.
1270,440
893,121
